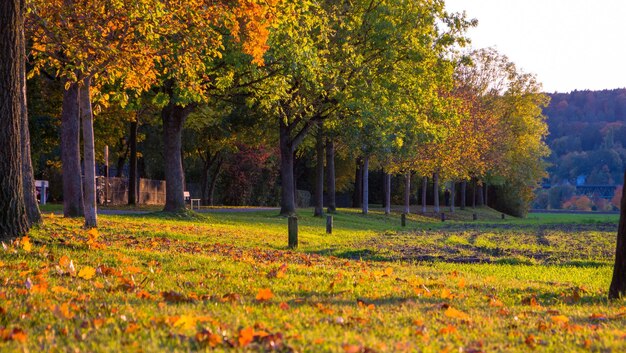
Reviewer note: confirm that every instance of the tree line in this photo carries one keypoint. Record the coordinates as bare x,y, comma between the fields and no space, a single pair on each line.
385,84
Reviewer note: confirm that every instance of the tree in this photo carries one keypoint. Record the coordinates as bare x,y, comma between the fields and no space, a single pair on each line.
617,289
13,218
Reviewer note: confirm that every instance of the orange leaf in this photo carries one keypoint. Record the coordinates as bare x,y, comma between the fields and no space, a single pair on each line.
389,271
462,283
456,314
264,294
64,261
446,294
559,319
246,336
350,348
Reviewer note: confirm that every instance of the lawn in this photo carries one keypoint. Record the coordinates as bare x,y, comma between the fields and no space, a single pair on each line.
227,282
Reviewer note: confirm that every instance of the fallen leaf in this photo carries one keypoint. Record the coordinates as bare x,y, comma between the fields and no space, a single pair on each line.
64,261
264,294
388,271
559,319
26,245
87,272
456,314
246,336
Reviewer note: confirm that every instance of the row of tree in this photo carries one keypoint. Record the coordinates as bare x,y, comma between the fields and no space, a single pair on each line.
383,81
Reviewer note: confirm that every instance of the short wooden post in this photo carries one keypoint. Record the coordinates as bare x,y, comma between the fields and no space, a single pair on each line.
503,216
293,232
403,219
329,224
474,216
443,217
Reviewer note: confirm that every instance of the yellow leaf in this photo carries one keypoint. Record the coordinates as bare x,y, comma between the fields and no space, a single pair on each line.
456,314
186,322
87,272
559,319
446,294
93,234
389,271
26,245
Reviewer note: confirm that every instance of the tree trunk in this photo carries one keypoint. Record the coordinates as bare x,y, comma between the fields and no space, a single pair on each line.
617,289
486,194
473,193
387,189
366,188
121,159
407,193
452,196
330,177
463,194
132,173
436,192
287,190
30,196
479,195
70,153
13,218
319,174
174,117
424,193
357,197
216,173
89,155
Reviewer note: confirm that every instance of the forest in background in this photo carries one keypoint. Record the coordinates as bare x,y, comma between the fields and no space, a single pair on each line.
588,139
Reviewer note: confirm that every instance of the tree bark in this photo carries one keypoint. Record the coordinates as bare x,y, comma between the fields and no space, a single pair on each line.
617,289
357,197
216,173
486,194
287,190
387,191
30,196
13,218
424,193
173,117
89,155
330,176
366,196
70,153
452,195
132,172
463,194
479,195
473,193
407,192
436,192
319,174
121,159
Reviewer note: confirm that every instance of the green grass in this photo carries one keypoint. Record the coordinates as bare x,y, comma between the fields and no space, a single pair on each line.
184,284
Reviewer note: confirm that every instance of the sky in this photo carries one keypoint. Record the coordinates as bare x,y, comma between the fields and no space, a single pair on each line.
568,44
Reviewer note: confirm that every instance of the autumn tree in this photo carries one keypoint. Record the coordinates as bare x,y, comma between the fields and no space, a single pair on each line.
13,218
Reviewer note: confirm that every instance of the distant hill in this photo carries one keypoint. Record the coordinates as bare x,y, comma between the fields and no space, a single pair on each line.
587,137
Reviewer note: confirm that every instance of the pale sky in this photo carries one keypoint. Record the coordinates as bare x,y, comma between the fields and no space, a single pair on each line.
567,44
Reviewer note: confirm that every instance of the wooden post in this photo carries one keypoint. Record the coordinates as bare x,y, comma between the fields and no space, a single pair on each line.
106,174
503,216
474,216
403,219
329,224
293,232
443,217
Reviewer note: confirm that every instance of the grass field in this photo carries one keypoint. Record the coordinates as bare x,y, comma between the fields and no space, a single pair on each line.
227,282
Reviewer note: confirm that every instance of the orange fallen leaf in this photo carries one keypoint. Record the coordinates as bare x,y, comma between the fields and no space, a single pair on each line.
264,294
559,319
446,294
388,271
351,348
246,336
456,314
64,261
87,272
448,329
462,283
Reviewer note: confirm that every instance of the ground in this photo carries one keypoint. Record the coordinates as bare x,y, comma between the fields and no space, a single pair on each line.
227,282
